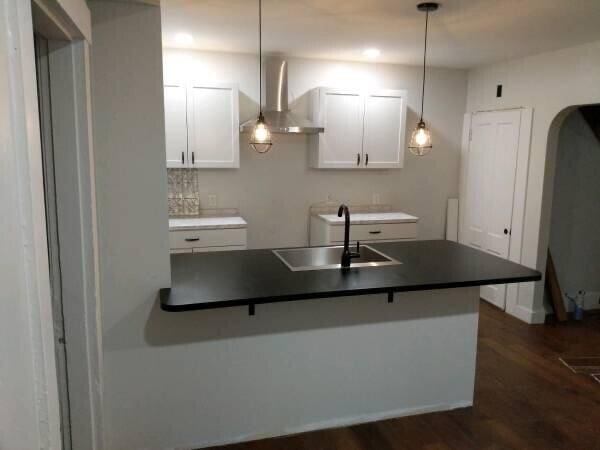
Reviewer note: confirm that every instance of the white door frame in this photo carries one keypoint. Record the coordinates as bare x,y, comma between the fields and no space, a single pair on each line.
518,217
30,415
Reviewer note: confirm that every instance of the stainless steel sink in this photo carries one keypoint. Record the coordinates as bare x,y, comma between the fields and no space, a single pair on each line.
318,258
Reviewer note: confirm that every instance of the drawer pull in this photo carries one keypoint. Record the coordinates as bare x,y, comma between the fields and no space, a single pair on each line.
192,239
375,232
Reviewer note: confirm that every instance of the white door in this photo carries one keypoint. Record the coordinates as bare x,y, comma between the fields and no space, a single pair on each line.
213,129
176,126
385,118
340,145
491,172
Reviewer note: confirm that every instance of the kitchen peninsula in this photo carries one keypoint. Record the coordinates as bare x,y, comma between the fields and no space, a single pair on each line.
369,343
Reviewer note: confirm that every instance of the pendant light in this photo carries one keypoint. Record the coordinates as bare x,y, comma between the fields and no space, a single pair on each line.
260,139
420,141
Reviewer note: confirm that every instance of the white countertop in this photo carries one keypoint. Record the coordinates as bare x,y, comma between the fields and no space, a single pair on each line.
206,223
370,218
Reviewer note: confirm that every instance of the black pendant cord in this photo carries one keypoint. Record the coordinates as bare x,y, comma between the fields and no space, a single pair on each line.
424,61
260,58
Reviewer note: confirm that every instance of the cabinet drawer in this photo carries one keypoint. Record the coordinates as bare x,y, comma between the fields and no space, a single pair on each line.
207,238
375,232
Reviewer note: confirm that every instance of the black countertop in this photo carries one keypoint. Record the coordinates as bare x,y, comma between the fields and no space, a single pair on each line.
250,277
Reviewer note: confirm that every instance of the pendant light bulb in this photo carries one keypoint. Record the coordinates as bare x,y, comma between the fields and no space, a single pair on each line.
420,141
260,140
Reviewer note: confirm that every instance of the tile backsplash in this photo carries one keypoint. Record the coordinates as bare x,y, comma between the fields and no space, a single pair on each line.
183,192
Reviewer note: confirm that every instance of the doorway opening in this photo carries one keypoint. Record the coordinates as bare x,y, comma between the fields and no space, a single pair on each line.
52,233
575,212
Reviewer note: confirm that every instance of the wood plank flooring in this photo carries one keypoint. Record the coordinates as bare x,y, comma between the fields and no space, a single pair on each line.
525,398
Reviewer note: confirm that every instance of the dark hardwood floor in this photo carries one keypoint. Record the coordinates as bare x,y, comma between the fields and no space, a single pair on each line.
524,398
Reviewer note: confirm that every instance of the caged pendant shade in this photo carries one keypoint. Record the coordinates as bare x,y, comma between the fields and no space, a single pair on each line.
420,140
260,139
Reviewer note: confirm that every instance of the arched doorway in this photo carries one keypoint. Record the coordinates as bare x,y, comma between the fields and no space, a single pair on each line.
572,199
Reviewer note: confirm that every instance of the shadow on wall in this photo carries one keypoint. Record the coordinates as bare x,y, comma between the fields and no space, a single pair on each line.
148,325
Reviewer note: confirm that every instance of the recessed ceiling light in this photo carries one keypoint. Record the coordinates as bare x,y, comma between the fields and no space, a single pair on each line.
184,38
371,53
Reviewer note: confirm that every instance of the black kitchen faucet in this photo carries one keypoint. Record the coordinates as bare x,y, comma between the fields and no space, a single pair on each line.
347,255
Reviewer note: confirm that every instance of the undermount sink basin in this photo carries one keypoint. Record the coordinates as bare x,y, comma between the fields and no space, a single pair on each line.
318,258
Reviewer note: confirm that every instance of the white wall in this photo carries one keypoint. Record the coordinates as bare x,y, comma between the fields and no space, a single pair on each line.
131,186
29,410
548,83
274,191
574,237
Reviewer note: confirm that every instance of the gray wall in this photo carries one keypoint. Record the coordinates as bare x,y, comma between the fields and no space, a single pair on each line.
274,191
131,186
177,380
574,237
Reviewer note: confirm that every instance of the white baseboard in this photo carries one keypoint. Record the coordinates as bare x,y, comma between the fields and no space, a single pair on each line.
528,315
333,423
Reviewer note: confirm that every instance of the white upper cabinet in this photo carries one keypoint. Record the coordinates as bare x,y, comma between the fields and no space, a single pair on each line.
363,129
342,115
383,139
214,128
203,121
176,126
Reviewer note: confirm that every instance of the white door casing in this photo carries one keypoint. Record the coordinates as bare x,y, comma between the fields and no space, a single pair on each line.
490,187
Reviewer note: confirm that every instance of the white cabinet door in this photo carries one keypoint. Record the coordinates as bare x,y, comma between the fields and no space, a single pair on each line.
176,126
341,113
491,172
213,126
383,141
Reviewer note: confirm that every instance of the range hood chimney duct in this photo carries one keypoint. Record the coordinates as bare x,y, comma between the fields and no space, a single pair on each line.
277,113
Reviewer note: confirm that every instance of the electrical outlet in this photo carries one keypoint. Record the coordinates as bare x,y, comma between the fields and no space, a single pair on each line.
212,200
376,199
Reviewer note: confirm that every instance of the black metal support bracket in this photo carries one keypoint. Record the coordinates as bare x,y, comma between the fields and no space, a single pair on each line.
390,297
251,310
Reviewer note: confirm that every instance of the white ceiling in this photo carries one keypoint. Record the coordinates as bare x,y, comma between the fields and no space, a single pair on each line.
463,33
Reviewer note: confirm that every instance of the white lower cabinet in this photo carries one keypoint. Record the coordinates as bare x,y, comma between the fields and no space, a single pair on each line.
323,232
207,240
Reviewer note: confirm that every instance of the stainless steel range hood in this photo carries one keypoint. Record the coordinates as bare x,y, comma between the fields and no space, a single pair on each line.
277,114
